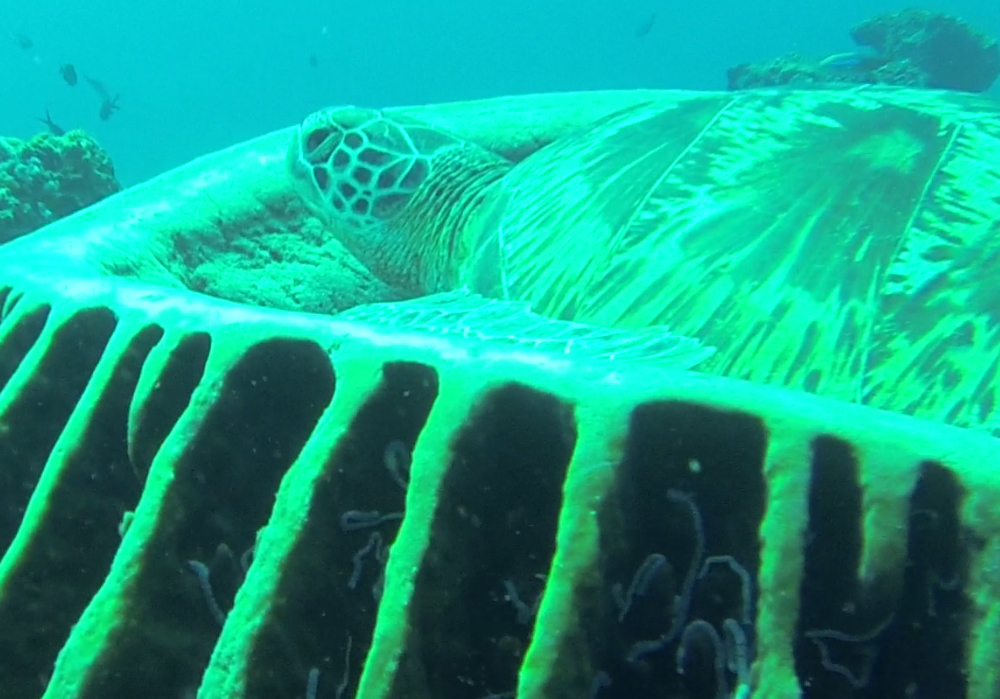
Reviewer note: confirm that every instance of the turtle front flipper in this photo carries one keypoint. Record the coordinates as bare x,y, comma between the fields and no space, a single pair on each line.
503,327
397,192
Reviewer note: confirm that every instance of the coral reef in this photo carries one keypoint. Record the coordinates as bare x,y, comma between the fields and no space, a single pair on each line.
915,48
48,177
796,70
951,54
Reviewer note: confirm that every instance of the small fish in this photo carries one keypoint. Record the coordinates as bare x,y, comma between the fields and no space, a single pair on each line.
23,41
109,107
854,61
100,88
645,27
68,73
313,61
54,128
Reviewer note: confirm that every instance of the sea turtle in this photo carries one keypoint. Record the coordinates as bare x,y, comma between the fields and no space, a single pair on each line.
843,242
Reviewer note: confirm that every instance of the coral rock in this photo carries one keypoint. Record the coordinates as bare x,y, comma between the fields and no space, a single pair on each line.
48,177
953,55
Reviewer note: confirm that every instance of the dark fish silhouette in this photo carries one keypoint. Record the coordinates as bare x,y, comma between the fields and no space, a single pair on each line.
645,27
100,88
23,41
109,104
313,61
68,73
109,107
54,128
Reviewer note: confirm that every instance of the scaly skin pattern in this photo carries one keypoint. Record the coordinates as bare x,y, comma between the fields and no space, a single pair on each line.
398,193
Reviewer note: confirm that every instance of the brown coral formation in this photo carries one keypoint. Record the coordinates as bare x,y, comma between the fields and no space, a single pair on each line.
914,48
48,177
951,54
795,70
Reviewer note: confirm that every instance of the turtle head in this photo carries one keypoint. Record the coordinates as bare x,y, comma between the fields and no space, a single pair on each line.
355,166
358,170
391,188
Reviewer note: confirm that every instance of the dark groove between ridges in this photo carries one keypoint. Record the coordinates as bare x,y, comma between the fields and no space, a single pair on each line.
832,553
72,547
37,416
678,455
222,494
9,298
19,341
492,542
923,652
314,610
181,375
867,643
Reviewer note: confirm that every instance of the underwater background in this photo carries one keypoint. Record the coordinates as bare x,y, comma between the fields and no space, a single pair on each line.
578,391
196,76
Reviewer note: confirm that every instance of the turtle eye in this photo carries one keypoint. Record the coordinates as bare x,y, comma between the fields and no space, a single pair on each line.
316,137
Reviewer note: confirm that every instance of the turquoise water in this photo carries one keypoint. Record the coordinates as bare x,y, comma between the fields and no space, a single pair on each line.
198,76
